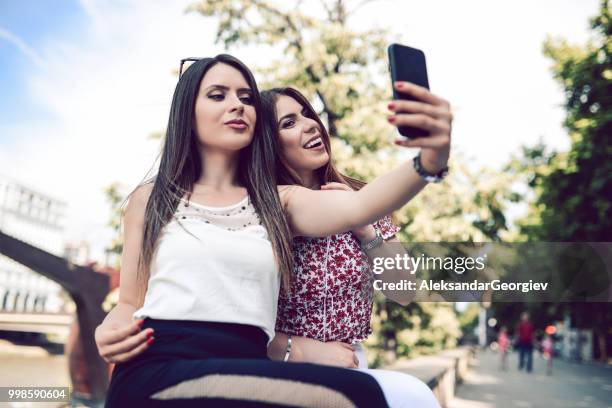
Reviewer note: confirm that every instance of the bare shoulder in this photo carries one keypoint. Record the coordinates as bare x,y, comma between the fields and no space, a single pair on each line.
137,202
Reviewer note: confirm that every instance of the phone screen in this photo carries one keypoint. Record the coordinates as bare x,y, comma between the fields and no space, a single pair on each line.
408,64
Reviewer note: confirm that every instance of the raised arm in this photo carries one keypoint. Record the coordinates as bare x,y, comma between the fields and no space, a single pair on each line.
321,213
390,247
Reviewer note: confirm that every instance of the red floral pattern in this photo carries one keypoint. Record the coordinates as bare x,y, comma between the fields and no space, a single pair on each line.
331,295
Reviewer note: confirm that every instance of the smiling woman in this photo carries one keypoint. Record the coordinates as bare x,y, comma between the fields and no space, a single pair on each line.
325,313
302,144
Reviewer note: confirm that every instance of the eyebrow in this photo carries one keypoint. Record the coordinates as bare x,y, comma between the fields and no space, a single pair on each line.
289,115
226,88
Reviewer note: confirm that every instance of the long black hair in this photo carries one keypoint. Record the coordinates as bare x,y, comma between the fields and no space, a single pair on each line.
284,173
180,167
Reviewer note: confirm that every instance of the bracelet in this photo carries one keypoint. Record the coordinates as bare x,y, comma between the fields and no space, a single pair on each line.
376,242
428,177
288,349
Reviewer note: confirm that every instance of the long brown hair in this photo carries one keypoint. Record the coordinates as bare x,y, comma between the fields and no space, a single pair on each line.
285,175
180,167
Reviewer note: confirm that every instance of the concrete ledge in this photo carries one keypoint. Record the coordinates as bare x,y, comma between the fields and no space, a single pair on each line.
442,372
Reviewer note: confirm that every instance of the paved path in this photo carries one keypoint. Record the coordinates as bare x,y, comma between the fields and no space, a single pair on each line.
571,385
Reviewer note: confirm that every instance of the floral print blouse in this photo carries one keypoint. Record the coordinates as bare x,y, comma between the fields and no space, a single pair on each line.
330,298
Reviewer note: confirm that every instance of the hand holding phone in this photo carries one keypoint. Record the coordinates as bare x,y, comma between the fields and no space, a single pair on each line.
424,118
407,64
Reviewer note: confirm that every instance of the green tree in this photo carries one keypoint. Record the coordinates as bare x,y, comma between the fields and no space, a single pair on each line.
571,190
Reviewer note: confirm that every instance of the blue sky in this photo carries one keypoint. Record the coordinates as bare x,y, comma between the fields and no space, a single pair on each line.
83,83
34,23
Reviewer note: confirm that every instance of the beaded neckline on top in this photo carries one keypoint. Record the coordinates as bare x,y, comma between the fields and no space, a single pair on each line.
240,203
234,217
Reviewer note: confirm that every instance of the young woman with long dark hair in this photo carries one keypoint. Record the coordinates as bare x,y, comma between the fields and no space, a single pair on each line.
206,246
327,310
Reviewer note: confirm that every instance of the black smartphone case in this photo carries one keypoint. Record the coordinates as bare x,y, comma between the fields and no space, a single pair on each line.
408,64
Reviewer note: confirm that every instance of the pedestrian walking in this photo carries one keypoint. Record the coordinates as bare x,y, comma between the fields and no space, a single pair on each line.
525,331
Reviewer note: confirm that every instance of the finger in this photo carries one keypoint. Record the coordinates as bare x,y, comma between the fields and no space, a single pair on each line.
335,186
356,360
347,361
420,121
427,142
421,93
114,336
121,358
130,343
438,112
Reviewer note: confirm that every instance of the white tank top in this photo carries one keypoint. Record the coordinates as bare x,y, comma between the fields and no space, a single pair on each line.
214,264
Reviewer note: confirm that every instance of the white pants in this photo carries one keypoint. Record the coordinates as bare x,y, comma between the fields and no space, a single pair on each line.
401,390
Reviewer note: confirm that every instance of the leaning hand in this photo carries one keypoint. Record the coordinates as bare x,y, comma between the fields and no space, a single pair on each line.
334,353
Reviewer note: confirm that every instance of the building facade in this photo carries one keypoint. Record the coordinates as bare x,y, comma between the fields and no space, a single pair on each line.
38,219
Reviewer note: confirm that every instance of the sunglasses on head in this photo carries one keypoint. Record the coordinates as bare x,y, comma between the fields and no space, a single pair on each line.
183,61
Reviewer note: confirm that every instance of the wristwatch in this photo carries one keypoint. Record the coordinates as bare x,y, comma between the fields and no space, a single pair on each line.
428,177
373,243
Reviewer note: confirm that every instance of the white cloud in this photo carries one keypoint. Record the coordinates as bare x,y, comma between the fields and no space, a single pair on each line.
22,46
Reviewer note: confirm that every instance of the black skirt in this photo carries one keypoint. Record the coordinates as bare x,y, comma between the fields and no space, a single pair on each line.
225,365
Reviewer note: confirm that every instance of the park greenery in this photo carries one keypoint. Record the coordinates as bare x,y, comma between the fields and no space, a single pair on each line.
342,69
570,191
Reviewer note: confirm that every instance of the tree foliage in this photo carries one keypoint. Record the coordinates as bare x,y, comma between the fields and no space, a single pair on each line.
573,188
570,191
115,197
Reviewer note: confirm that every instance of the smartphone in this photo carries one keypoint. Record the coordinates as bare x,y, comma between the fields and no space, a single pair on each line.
407,64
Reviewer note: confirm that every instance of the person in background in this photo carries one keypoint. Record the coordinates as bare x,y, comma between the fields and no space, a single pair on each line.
503,342
525,332
547,352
